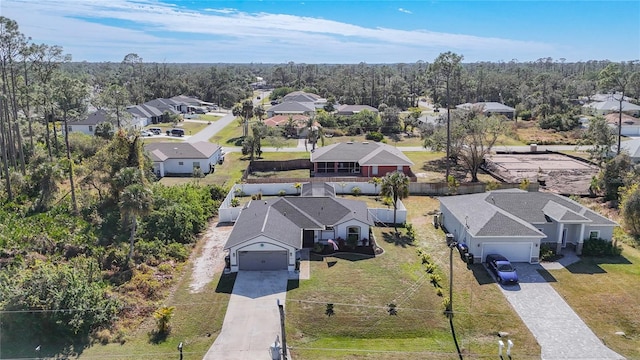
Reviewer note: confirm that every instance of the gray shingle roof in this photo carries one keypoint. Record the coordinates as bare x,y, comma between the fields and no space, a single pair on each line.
515,212
365,154
283,219
94,118
489,106
354,109
632,147
317,189
292,107
173,150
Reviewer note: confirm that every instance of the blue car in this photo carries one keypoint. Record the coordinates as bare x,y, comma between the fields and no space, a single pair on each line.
502,269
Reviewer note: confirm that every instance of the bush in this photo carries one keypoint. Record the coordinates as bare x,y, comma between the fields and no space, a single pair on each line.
525,115
547,252
282,193
374,136
356,191
235,202
600,247
257,196
411,232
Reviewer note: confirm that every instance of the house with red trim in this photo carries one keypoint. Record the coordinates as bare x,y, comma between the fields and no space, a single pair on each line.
366,159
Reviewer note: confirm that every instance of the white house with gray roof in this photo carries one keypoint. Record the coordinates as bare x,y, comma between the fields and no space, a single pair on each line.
514,223
491,108
173,158
631,147
269,233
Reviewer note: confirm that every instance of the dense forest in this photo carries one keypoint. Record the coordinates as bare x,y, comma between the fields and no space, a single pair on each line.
85,213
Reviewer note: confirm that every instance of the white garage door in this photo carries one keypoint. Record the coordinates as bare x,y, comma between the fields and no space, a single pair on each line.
263,260
515,252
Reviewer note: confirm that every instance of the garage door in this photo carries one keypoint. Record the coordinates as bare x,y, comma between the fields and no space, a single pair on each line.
263,260
515,252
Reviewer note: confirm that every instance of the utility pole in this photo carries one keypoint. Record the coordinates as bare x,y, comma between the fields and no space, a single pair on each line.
284,337
451,243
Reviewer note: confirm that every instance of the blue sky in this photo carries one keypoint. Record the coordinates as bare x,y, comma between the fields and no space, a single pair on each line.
315,31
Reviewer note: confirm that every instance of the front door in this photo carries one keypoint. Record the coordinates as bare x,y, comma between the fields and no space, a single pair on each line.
564,238
307,239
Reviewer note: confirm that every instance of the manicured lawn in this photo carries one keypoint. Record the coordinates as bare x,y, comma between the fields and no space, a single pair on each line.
361,289
190,128
231,135
605,292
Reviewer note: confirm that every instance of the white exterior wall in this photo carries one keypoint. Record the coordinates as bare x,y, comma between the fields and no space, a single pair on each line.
606,232
85,129
261,243
172,166
341,229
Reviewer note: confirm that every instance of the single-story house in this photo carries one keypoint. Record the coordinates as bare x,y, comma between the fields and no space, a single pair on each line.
88,125
605,97
631,147
172,158
348,110
269,233
301,96
280,121
291,108
630,125
515,223
143,115
491,108
369,159
611,106
165,105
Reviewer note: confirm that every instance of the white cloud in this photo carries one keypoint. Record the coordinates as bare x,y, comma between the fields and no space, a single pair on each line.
97,30
404,11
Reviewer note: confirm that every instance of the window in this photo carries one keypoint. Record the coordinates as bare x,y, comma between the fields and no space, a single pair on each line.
70,128
353,233
91,128
180,163
594,234
196,164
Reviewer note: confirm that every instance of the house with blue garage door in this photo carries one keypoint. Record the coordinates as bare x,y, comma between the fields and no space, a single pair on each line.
515,223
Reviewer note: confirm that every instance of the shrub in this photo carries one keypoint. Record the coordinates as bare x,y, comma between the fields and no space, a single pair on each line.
492,185
426,258
600,247
525,115
163,316
439,292
356,191
235,202
374,136
282,193
547,252
257,196
430,268
411,232
435,279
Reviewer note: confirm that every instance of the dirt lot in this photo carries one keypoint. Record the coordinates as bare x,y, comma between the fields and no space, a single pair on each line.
211,260
559,173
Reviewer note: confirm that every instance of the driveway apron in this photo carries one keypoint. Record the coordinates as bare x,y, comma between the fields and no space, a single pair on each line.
559,330
252,321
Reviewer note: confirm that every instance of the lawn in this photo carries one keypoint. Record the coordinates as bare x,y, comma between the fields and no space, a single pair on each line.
605,292
190,128
231,135
361,289
430,167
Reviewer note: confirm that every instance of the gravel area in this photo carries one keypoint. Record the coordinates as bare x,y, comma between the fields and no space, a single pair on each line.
211,259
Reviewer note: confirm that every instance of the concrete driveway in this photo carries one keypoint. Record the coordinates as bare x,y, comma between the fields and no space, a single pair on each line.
252,321
559,330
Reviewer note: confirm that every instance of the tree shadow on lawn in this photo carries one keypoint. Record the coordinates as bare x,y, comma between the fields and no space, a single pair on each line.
31,342
591,264
397,239
440,165
236,141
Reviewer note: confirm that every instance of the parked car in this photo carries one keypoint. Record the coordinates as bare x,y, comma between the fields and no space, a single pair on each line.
502,269
175,132
146,133
155,130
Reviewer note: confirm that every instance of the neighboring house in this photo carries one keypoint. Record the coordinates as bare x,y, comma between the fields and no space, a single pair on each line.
269,233
291,108
280,121
606,97
142,115
348,110
173,158
369,159
88,126
491,108
611,106
630,124
514,223
165,105
301,96
631,147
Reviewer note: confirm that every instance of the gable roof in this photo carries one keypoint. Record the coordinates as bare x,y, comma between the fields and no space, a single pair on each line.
612,105
515,212
187,100
365,154
632,147
164,105
292,107
284,218
161,151
94,118
144,111
299,120
301,96
490,106
317,189
354,109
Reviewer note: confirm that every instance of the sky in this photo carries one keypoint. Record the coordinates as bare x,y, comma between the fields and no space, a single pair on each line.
334,32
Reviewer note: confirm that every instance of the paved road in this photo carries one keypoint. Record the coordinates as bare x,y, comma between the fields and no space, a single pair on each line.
560,332
252,321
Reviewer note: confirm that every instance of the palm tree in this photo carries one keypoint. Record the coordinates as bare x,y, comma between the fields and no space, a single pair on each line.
375,181
298,186
395,185
136,200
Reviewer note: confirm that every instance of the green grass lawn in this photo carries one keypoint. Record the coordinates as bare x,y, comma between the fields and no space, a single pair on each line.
361,289
231,135
190,128
605,292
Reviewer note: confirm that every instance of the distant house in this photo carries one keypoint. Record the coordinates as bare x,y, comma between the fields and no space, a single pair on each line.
291,108
348,110
515,223
611,106
181,159
143,115
269,233
630,125
301,96
166,105
631,147
491,108
280,121
369,159
606,97
88,125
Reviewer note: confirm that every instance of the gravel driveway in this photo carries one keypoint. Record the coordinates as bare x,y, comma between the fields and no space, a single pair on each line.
211,260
